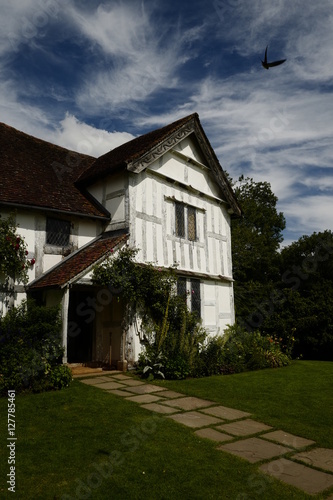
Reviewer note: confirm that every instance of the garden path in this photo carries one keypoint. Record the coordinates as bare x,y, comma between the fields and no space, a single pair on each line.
292,459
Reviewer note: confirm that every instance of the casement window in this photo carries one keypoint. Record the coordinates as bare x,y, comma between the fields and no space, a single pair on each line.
190,290
181,287
186,221
195,297
57,232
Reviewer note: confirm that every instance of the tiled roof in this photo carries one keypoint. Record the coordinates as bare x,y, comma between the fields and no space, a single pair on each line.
157,142
76,263
37,173
119,157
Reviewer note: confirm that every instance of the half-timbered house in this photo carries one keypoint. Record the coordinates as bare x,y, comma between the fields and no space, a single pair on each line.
163,193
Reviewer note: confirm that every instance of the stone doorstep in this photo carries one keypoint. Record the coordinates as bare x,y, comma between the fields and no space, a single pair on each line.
188,403
317,457
194,419
226,413
244,427
254,449
309,480
288,439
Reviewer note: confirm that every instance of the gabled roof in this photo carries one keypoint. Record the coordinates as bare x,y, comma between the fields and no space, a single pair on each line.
138,153
39,174
78,262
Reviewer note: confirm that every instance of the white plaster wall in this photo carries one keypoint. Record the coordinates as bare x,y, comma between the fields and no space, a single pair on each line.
87,231
152,227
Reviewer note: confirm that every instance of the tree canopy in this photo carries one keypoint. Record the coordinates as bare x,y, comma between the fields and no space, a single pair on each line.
288,292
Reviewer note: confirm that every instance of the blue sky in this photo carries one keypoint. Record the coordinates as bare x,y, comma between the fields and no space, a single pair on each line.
90,75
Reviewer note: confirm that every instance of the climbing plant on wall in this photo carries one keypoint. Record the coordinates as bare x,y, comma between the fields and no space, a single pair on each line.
171,333
14,262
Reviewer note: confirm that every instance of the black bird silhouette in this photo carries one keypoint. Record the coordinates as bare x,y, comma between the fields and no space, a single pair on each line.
268,65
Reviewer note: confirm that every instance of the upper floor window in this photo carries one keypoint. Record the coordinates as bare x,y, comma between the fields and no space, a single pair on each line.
186,221
57,232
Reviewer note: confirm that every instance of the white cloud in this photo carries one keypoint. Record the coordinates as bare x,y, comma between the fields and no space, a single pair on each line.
141,56
77,136
25,21
313,213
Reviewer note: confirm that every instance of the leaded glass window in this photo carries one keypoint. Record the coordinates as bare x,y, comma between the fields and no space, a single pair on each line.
181,287
191,224
186,224
195,297
180,219
57,232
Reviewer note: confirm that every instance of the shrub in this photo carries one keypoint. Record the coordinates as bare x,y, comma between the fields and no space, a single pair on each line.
31,350
239,350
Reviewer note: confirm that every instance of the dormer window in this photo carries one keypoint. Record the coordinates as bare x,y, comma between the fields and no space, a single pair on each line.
57,232
186,224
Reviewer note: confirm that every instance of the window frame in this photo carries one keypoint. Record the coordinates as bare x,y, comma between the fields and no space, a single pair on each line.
192,294
186,221
52,235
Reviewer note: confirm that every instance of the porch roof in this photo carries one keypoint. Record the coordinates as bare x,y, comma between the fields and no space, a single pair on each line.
78,262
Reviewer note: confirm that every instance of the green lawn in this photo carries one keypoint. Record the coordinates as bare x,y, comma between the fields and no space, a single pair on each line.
84,443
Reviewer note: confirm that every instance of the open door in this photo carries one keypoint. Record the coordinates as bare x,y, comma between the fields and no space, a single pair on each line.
81,332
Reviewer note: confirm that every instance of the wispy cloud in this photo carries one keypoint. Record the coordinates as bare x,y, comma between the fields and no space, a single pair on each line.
132,66
141,56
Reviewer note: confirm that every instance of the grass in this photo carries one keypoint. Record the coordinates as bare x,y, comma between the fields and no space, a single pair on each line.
85,443
298,397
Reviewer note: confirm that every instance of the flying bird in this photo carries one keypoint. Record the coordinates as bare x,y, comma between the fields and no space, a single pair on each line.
268,65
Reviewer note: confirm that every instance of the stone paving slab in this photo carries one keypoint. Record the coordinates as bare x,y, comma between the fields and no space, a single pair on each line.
288,439
244,427
109,385
226,413
172,394
309,480
254,449
212,434
96,381
119,392
318,457
144,389
165,410
143,398
194,419
130,382
121,376
189,403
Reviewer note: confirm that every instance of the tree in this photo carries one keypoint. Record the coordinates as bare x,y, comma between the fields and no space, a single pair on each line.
255,238
306,283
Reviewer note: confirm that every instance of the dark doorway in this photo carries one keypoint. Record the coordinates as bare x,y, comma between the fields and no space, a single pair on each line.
81,320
